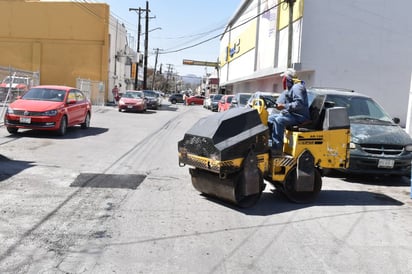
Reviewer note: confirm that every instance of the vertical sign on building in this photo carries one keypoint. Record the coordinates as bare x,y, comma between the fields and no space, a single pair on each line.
133,71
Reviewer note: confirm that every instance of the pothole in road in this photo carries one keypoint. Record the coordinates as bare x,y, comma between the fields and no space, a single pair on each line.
131,181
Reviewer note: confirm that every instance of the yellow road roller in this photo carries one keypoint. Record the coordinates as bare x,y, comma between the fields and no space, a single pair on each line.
229,153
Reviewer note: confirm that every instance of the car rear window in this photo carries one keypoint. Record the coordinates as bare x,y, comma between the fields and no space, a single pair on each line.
217,97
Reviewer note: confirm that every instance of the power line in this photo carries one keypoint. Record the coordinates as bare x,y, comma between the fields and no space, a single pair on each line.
201,42
134,30
195,35
216,36
250,8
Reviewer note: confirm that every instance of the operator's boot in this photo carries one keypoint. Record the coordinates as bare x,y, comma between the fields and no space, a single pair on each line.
274,152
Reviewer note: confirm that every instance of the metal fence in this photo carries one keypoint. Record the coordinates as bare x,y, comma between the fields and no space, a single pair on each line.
13,83
94,90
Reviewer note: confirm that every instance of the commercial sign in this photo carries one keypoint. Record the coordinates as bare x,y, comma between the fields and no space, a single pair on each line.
284,13
242,44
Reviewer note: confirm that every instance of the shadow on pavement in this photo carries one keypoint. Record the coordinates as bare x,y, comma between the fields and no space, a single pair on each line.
72,133
9,168
275,203
382,180
168,108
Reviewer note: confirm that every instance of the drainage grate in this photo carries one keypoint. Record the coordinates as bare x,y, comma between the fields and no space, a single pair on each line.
131,181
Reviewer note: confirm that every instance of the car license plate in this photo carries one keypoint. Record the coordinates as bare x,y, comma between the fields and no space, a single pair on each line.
386,163
25,120
129,106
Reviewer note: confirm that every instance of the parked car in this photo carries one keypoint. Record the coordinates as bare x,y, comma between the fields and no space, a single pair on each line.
379,146
49,108
224,103
208,101
214,104
159,97
152,99
132,100
269,99
176,98
240,100
195,100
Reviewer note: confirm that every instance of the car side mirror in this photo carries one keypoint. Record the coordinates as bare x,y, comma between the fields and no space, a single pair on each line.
396,120
329,104
234,102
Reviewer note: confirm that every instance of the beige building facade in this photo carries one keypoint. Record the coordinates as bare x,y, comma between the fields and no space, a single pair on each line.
63,41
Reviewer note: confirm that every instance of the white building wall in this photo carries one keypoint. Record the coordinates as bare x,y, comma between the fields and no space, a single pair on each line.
118,71
241,67
283,45
262,60
224,41
241,35
267,35
362,45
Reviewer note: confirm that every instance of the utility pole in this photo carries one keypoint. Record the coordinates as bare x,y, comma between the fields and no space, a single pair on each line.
154,71
290,29
146,45
139,30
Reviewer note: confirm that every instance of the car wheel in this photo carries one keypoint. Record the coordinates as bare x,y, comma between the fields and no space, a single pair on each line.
86,123
174,101
63,127
12,130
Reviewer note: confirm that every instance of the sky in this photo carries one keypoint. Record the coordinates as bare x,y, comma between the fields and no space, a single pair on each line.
183,23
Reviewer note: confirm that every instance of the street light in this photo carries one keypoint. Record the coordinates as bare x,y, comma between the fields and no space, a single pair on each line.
152,30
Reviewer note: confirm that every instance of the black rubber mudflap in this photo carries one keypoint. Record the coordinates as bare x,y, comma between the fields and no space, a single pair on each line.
305,180
250,184
251,176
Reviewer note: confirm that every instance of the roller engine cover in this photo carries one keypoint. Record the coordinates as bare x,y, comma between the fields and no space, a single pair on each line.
224,136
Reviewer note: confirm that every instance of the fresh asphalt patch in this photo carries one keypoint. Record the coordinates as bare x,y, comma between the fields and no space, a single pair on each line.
130,181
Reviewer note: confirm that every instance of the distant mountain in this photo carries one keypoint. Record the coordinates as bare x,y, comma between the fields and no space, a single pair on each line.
192,79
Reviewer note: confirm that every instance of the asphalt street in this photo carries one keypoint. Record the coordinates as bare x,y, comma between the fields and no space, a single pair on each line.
113,199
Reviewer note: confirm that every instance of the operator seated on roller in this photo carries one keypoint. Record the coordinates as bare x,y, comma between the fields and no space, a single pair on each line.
294,109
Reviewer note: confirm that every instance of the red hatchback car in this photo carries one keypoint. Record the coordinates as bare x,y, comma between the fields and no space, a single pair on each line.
52,108
132,100
225,103
195,100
